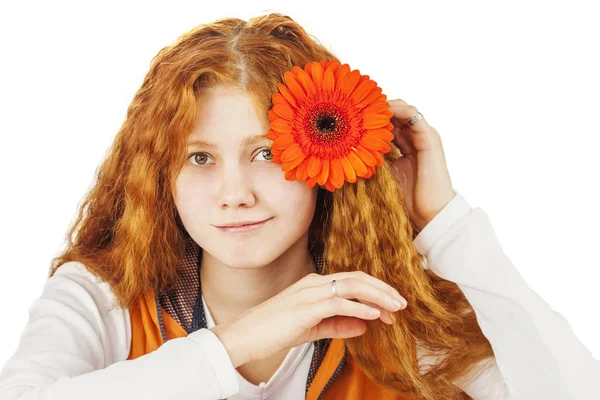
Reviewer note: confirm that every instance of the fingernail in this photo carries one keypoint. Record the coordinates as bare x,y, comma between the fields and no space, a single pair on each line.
374,312
397,303
402,301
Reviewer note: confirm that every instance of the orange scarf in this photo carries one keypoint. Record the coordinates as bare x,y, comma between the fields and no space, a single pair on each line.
350,383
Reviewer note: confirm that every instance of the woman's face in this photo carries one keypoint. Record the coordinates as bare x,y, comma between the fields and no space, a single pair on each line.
229,179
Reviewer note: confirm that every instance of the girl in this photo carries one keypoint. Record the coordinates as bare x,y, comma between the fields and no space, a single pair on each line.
243,229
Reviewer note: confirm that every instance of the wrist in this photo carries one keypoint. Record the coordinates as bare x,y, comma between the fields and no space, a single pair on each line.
233,343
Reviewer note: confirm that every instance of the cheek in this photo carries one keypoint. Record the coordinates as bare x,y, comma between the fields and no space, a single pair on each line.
293,199
190,200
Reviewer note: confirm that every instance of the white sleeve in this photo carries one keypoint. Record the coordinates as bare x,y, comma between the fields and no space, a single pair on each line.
76,343
537,354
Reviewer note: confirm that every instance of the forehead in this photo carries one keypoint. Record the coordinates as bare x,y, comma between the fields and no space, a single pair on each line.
227,113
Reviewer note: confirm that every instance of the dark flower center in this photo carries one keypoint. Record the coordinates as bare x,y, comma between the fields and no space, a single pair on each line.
326,123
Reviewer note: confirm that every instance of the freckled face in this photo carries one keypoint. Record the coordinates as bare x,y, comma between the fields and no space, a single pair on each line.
234,180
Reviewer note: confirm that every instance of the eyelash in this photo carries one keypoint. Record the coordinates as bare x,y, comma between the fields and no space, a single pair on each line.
200,152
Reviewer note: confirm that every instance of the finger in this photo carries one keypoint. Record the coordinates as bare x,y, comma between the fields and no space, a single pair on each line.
340,307
340,327
405,112
343,307
381,285
421,135
386,315
351,289
401,140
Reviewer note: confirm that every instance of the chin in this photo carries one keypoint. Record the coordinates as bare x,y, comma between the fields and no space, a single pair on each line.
244,257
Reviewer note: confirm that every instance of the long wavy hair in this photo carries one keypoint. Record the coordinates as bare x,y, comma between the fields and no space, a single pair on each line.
129,234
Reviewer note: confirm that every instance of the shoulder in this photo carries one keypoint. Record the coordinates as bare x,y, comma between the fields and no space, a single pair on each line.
77,279
82,299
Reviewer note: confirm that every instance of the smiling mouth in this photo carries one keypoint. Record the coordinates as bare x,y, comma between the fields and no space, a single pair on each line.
243,228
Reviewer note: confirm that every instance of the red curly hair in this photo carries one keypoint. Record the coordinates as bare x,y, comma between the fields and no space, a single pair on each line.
129,234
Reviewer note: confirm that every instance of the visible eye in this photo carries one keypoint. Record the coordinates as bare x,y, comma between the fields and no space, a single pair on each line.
268,153
200,158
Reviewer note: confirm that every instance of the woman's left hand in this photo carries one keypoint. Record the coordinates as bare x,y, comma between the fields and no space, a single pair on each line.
421,171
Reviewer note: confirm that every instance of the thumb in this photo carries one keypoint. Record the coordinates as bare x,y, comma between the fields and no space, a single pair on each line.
341,327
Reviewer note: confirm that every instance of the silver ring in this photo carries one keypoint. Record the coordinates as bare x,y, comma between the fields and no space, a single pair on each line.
414,119
334,288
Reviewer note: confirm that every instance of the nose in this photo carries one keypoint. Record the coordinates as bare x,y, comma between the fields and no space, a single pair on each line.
236,187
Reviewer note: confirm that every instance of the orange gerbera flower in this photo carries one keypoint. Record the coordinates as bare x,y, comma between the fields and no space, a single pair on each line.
329,125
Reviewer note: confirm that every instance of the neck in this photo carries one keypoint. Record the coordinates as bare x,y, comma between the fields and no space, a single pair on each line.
229,292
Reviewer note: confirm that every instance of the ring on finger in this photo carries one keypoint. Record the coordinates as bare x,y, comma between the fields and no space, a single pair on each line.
415,119
334,288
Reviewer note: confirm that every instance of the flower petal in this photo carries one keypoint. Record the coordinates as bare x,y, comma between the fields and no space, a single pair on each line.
301,171
271,134
376,108
371,97
377,156
381,133
284,111
370,172
328,80
339,75
294,86
333,64
337,173
373,143
314,166
278,98
291,165
317,75
374,121
277,152
365,156
290,175
293,151
349,173
283,141
329,186
281,125
285,92
357,163
362,90
306,81
324,175
310,182
271,115
349,82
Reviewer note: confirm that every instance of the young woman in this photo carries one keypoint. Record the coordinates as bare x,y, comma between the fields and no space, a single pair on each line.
250,217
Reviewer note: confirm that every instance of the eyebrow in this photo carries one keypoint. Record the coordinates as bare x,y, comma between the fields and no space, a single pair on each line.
247,141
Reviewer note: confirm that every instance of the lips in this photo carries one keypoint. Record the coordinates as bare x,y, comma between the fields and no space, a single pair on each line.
243,228
242,224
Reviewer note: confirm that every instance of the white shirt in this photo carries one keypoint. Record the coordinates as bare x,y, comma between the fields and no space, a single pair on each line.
288,382
76,342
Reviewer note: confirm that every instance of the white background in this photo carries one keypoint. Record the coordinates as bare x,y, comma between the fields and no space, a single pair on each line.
513,88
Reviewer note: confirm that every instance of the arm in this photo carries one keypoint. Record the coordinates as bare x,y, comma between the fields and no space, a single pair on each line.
536,351
76,344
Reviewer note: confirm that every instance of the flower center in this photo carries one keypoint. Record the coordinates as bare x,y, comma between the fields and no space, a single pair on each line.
326,123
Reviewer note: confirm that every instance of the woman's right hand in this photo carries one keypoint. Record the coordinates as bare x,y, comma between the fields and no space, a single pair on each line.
307,311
